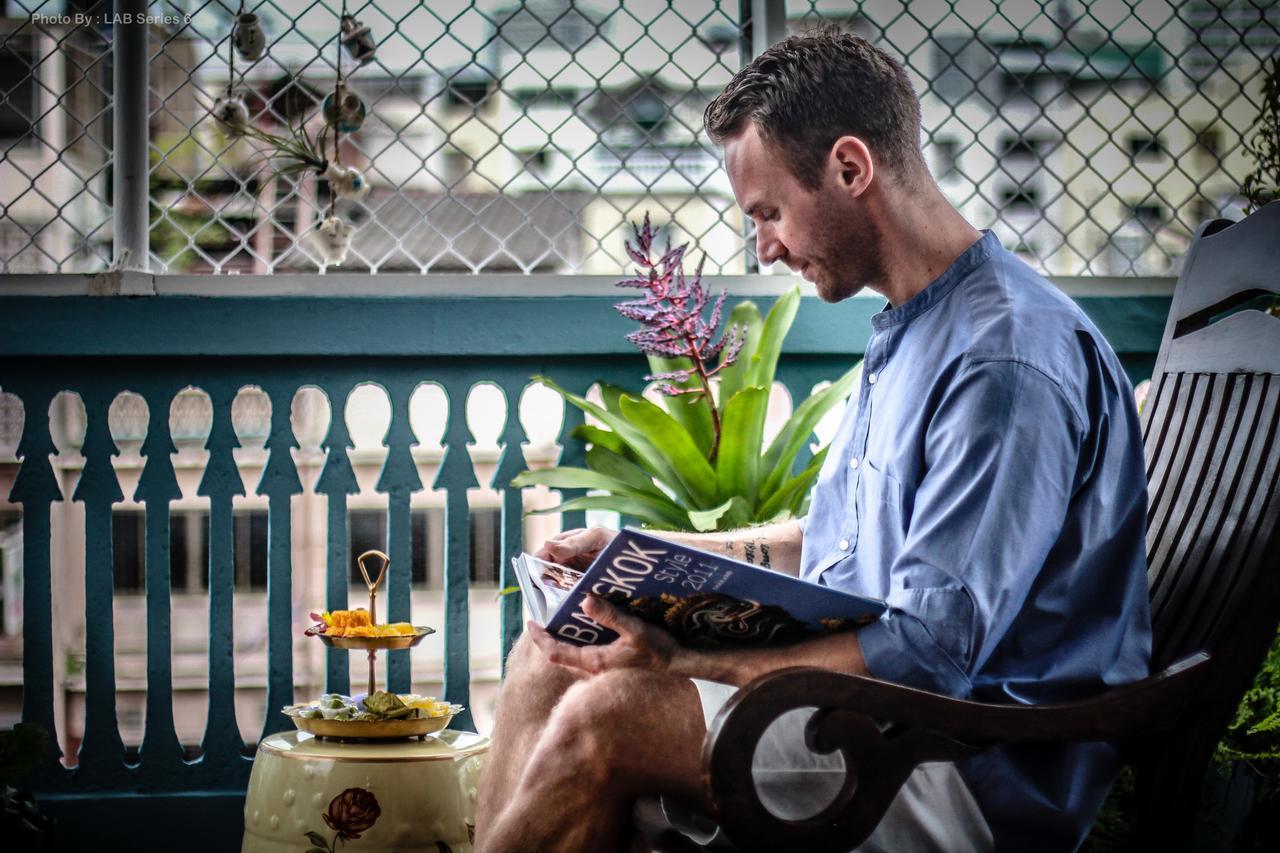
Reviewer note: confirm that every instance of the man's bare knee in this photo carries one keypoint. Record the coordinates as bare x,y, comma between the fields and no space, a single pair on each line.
631,729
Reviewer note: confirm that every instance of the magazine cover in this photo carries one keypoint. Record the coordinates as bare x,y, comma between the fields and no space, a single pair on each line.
704,599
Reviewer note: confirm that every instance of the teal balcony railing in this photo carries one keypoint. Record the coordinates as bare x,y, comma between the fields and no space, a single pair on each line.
334,333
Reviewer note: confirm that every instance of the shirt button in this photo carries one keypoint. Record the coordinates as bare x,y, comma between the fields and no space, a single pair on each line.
871,379
853,463
844,544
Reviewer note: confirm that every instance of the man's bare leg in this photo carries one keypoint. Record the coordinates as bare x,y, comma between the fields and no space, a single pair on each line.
611,738
530,691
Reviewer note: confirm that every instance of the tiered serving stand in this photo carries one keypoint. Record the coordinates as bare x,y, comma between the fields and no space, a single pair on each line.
418,727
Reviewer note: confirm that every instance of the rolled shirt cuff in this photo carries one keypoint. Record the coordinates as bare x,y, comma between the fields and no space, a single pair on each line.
899,648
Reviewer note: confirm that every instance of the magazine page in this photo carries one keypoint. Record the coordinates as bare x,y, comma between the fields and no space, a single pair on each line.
706,600
544,585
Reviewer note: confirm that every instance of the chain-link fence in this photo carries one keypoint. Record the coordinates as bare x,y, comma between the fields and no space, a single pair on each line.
504,136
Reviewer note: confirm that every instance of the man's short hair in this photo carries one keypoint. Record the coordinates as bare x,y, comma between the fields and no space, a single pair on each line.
810,89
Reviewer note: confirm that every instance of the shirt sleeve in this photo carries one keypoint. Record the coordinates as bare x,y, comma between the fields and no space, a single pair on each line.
1001,454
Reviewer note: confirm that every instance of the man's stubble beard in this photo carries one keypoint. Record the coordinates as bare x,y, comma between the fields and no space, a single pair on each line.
852,256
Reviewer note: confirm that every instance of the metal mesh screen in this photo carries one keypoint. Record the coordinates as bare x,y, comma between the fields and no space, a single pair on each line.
507,136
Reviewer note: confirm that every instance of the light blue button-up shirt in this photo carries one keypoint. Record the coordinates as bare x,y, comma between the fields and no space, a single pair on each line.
987,481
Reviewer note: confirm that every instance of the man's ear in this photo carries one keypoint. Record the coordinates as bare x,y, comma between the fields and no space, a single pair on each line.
853,164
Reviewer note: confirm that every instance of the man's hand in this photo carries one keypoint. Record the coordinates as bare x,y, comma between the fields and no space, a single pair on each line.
639,644
576,548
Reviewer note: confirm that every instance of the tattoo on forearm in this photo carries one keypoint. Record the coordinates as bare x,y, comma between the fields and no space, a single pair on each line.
749,551
764,556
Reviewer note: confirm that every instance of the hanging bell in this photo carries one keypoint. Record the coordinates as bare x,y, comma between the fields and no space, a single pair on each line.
358,40
343,109
248,38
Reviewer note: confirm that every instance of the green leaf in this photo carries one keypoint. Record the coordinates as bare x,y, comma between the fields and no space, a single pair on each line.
603,438
666,433
693,411
782,451
611,395
566,477
710,519
656,513
21,749
764,363
505,591
317,838
734,377
790,498
741,431
650,456
1270,724
614,465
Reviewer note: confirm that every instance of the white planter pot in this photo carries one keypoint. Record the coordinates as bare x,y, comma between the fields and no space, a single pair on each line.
247,36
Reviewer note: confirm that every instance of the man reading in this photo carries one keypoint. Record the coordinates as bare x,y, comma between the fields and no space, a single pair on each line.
986,481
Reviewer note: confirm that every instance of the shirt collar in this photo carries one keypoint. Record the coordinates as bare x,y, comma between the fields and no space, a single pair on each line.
937,290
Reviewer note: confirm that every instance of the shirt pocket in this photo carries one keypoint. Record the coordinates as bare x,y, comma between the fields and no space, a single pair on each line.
880,533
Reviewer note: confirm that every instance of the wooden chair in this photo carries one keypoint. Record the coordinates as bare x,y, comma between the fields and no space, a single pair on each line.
1212,438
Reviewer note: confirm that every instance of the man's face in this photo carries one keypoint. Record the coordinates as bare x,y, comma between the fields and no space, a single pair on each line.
825,235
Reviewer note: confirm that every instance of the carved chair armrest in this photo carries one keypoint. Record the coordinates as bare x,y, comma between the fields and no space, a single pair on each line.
885,730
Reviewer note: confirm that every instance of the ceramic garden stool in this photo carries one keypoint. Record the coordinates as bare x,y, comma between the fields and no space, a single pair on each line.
364,797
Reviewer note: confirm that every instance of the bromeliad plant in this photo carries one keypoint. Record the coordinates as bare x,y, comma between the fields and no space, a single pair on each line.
697,462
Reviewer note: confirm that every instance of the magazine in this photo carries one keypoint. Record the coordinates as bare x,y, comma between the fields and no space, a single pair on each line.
705,600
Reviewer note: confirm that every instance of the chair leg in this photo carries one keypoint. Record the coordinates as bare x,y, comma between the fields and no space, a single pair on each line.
1168,791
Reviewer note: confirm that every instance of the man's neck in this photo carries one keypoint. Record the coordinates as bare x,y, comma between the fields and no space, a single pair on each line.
921,235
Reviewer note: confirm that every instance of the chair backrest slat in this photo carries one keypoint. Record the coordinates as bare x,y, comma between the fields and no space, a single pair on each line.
1212,517
1212,452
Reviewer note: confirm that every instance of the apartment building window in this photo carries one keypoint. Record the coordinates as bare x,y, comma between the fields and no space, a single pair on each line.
1209,145
10,572
250,549
463,91
1021,199
368,531
19,94
1150,215
1019,147
1144,147
128,551
486,545
948,160
536,161
188,550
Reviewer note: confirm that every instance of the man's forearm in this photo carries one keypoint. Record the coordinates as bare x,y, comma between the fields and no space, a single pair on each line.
770,546
838,652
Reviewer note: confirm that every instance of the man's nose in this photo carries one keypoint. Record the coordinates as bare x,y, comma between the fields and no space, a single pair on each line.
769,248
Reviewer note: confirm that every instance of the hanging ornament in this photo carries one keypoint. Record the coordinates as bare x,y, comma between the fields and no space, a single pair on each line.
358,40
332,239
346,182
343,109
231,113
247,36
